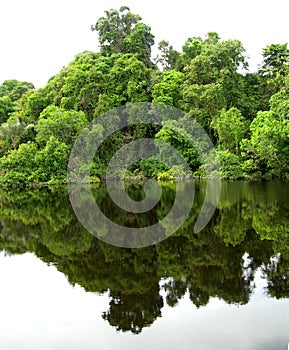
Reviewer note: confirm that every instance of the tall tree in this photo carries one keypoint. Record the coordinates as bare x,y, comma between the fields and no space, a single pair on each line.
275,59
168,57
122,32
275,68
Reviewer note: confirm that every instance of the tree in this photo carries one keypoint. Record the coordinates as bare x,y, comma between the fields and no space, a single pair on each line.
33,103
122,32
129,80
113,29
275,67
231,165
7,86
203,102
168,57
14,89
139,42
267,150
65,126
275,59
169,90
212,38
172,133
213,56
51,162
6,108
14,130
212,78
192,48
18,167
27,164
10,92
79,85
231,128
255,95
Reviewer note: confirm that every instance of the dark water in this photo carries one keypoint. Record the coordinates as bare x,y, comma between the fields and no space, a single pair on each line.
226,287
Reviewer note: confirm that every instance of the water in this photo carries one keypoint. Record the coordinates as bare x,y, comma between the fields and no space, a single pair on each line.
224,288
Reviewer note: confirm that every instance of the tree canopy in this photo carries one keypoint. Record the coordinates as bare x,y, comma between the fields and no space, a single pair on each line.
244,113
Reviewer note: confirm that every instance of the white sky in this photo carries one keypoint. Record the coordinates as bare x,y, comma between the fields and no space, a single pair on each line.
39,37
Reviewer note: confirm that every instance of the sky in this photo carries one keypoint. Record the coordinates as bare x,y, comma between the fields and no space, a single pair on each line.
38,38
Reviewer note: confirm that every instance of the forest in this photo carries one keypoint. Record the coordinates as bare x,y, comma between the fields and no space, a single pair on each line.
244,113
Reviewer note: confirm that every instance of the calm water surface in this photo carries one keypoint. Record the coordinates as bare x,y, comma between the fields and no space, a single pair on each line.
226,287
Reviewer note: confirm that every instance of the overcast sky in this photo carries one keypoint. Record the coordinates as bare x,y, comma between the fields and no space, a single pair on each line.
39,37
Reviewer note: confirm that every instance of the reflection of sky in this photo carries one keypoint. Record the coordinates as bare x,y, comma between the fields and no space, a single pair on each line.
40,310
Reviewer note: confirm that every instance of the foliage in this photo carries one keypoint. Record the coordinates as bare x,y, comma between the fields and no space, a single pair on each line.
244,113
6,108
63,125
14,89
169,90
231,165
13,131
231,128
275,59
122,32
29,165
168,57
267,149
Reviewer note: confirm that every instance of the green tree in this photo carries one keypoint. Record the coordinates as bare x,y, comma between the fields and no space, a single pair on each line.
139,42
29,165
14,89
231,128
13,131
275,67
266,151
231,165
275,59
51,162
129,80
212,78
33,103
191,49
6,108
203,102
65,126
122,32
168,57
169,90
18,166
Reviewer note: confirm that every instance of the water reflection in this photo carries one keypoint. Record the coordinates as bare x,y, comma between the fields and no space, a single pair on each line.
248,232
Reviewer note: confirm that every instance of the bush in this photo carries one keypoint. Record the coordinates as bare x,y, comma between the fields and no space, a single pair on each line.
231,165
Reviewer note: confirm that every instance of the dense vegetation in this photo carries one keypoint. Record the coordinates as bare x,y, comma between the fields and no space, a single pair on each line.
244,113
251,218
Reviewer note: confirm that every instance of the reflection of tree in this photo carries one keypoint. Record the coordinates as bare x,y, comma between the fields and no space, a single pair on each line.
277,274
199,297
133,312
175,289
232,227
204,265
